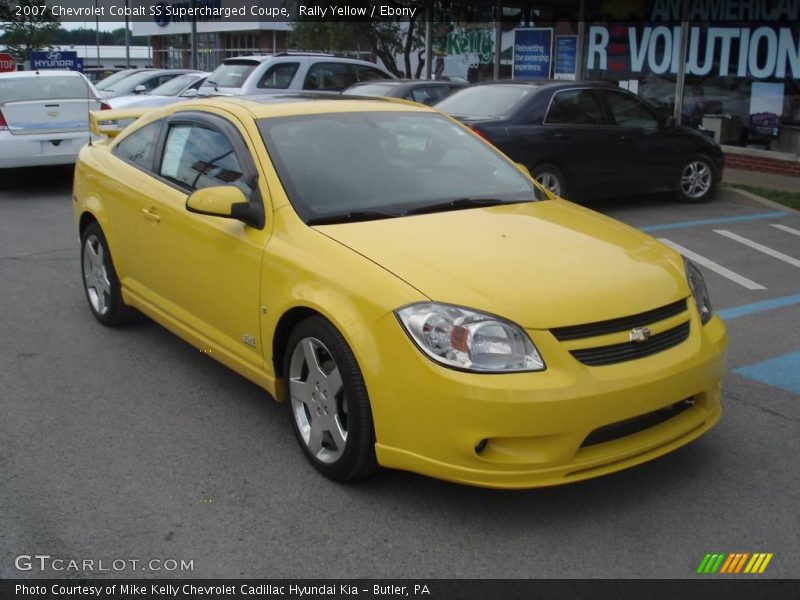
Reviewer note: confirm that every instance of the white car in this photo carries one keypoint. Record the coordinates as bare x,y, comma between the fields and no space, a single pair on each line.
272,73
44,117
182,87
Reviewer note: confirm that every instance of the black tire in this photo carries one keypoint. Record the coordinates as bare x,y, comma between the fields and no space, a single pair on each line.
551,177
350,405
107,305
700,189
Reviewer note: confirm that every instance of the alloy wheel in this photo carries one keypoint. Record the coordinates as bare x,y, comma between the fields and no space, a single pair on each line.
95,275
550,182
319,404
696,179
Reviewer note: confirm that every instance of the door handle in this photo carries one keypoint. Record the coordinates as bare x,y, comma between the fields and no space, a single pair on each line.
627,138
559,135
150,216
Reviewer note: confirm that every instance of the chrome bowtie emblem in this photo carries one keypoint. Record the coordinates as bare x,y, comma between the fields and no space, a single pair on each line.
639,334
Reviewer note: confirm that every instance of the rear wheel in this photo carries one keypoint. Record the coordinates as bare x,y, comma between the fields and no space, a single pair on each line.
100,282
328,402
696,182
551,177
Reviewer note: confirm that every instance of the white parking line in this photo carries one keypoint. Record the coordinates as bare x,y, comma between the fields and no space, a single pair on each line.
786,229
716,267
761,248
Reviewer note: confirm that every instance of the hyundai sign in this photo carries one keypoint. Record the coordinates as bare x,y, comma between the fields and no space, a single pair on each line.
56,60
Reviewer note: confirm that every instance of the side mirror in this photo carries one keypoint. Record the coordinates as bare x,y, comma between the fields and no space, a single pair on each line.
192,93
139,89
226,201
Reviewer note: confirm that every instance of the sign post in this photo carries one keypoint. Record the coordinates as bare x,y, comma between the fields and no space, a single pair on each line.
533,53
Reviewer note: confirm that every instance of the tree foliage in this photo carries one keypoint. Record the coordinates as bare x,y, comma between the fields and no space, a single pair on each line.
386,38
26,32
83,36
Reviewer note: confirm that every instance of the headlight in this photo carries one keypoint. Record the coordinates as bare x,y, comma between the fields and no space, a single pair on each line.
468,339
699,290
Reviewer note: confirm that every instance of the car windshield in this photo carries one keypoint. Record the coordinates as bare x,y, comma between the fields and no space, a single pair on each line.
17,89
371,89
484,100
173,87
130,82
109,81
369,165
231,74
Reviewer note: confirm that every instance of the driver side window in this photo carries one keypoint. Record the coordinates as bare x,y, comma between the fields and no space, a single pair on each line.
196,156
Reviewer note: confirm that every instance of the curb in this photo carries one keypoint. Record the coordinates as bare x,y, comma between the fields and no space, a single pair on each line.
762,200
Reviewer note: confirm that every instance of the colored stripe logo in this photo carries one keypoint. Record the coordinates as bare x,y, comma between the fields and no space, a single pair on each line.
738,562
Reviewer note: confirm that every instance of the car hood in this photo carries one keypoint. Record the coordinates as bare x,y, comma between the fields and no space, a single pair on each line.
541,264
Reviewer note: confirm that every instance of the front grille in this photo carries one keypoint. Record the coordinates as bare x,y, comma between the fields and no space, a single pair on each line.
576,332
620,429
616,353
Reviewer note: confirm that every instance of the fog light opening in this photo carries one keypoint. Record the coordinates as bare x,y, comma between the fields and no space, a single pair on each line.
480,446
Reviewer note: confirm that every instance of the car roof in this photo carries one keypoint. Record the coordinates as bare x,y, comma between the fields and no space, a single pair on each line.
546,83
260,58
262,106
42,73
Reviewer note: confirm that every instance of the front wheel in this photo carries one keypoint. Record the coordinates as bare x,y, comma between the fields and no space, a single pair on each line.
331,414
696,181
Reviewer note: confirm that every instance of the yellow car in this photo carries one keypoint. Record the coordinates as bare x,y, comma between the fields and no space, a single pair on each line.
415,298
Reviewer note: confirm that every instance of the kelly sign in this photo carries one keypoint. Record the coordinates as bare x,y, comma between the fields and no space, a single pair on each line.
56,60
533,52
7,63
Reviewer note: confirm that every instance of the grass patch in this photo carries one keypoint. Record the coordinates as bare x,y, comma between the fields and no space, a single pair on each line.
790,199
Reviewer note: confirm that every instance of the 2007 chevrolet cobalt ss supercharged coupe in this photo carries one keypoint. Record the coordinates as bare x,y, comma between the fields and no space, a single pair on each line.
417,300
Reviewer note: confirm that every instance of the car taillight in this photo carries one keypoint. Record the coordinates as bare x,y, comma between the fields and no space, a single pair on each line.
3,124
480,133
105,105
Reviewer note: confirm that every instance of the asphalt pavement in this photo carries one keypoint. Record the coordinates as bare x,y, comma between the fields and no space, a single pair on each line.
130,444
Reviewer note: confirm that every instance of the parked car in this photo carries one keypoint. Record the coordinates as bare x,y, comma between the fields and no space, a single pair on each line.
143,80
97,74
289,71
590,139
180,88
44,117
394,280
424,91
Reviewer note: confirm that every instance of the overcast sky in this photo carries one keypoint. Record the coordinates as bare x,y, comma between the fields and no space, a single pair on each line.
104,25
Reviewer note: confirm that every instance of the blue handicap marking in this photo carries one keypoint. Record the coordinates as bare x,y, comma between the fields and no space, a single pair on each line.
780,372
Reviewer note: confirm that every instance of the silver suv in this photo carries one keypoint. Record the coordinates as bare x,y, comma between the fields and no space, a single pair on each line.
272,73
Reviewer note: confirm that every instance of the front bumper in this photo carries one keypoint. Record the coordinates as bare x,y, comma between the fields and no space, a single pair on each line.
528,429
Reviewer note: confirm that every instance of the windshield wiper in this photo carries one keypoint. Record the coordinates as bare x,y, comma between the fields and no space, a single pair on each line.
458,204
351,216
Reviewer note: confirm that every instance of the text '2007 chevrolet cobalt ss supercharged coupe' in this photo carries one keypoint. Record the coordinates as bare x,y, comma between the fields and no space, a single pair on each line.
415,298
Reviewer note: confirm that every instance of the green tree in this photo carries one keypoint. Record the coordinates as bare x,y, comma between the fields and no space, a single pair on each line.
24,33
386,39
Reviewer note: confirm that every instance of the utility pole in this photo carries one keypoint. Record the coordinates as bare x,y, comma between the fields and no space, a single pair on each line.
127,39
194,35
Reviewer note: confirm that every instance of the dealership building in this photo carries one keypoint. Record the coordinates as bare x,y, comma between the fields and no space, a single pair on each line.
731,66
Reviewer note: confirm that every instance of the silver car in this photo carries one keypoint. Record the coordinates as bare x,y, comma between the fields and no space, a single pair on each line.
270,73
141,80
182,87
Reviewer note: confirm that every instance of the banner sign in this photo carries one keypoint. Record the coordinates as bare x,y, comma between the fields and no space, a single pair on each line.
56,60
760,52
533,51
566,57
